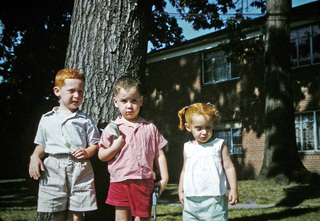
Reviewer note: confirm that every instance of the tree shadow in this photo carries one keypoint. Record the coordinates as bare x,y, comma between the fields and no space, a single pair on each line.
297,194
288,213
244,171
294,196
17,194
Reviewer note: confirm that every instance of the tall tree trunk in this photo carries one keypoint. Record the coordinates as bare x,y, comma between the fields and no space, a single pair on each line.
107,39
281,158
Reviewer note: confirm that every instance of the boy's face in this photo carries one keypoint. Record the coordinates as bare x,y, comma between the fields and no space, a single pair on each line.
71,94
128,102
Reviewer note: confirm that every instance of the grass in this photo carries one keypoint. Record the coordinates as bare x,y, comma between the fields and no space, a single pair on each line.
295,202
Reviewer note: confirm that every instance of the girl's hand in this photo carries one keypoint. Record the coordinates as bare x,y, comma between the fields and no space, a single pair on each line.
80,153
181,198
233,197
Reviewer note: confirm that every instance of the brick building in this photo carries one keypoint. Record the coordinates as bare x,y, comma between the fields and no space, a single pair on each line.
198,71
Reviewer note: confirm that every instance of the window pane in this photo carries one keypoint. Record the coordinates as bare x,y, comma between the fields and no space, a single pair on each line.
224,134
215,67
207,75
218,69
316,44
304,46
298,136
307,131
237,140
232,138
293,48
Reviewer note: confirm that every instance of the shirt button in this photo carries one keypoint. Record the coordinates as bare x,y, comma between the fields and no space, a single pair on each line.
138,158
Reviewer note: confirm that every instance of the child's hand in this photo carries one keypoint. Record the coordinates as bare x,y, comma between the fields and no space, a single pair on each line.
35,166
162,184
181,197
233,197
80,153
118,142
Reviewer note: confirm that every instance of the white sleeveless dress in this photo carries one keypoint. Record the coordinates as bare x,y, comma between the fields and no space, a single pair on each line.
204,174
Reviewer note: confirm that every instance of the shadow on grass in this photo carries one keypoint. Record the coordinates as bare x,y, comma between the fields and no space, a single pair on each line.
297,194
288,213
17,193
294,196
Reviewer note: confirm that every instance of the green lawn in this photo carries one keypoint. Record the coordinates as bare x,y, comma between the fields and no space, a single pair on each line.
286,202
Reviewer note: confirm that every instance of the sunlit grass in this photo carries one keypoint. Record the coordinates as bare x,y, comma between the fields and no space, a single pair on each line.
18,213
286,202
259,193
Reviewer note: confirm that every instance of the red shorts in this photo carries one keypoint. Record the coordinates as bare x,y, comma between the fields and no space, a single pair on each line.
135,194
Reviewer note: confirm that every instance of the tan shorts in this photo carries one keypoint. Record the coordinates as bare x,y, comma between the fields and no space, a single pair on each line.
66,184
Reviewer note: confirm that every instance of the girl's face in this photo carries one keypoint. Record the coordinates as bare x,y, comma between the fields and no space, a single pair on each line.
201,128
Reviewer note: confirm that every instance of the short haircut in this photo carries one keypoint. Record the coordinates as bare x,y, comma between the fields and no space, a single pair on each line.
127,82
185,114
67,74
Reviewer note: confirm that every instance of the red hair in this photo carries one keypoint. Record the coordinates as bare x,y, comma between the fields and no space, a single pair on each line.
186,113
67,74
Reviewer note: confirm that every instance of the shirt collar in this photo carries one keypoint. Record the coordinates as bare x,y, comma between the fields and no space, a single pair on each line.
120,120
55,111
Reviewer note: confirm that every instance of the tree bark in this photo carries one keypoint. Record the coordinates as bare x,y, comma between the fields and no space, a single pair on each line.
107,39
281,157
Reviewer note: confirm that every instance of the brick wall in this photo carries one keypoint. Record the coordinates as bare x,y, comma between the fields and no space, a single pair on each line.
174,83
311,162
253,151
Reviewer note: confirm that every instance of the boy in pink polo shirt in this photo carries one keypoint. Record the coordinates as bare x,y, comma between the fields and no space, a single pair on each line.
131,154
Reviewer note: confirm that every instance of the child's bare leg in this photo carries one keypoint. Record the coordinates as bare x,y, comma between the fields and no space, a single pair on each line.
59,216
123,213
75,216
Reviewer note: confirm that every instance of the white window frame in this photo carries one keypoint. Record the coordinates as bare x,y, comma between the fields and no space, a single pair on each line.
229,140
301,136
226,66
296,36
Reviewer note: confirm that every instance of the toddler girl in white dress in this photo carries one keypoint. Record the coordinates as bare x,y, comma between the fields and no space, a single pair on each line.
207,167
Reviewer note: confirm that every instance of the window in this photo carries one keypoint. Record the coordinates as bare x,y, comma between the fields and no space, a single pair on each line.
305,46
232,137
307,126
216,68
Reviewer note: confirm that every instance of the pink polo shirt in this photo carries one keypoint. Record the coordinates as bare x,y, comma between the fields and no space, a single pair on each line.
135,159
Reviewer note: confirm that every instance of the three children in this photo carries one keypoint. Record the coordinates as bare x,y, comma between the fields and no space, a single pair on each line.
70,137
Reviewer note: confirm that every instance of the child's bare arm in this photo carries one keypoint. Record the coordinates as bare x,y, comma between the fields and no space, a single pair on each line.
81,153
36,163
231,175
180,189
106,154
161,163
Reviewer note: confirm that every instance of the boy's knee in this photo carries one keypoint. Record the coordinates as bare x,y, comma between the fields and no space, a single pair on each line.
75,216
